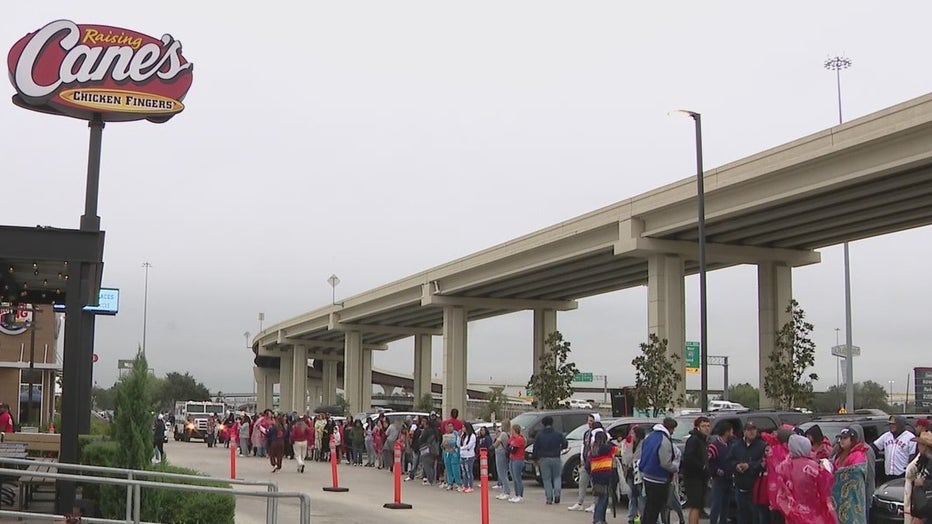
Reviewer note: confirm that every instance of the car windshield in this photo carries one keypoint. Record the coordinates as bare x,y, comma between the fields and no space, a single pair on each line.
577,434
683,426
525,420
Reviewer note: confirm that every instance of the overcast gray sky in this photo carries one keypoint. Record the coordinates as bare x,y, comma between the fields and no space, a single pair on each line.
377,139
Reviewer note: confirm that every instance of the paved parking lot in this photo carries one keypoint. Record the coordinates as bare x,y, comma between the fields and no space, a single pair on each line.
369,489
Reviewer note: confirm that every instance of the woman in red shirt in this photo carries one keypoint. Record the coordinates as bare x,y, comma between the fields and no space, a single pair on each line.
516,445
299,436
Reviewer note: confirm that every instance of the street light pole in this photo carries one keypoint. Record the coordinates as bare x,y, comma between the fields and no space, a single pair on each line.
145,307
837,63
703,318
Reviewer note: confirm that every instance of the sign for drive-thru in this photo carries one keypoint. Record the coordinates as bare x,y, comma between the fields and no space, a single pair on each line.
85,71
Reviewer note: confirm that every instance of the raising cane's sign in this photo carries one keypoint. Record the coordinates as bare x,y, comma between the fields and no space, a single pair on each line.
85,70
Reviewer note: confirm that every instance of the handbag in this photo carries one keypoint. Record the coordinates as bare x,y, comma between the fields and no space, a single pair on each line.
921,502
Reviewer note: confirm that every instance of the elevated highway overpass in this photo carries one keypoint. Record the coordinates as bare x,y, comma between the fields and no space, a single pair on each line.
774,209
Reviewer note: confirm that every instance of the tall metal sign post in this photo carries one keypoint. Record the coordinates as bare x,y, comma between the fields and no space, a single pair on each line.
100,74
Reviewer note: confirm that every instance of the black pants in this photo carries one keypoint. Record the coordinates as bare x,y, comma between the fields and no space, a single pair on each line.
656,501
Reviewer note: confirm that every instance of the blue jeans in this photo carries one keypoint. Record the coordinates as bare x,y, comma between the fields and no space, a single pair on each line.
467,465
501,469
746,506
550,472
517,468
635,500
601,505
721,497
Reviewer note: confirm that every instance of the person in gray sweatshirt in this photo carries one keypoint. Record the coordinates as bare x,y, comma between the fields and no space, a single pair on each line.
657,469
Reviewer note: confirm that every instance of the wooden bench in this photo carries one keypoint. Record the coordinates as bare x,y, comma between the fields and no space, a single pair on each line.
9,485
45,448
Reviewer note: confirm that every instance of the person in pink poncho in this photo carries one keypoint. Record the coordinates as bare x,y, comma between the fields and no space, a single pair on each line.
804,495
765,492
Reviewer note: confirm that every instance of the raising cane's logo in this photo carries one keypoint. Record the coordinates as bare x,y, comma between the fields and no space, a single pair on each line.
86,70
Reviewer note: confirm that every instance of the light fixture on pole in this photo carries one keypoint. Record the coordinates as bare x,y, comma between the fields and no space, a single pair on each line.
261,320
891,382
334,281
145,307
703,319
837,63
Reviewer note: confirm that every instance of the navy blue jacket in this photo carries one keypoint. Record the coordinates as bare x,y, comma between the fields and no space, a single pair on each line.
753,455
549,443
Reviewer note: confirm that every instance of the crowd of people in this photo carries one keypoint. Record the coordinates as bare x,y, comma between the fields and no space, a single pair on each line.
789,476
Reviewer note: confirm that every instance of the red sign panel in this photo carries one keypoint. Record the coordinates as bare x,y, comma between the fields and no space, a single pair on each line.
86,70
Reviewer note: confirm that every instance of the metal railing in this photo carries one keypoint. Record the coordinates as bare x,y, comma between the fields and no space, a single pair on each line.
133,485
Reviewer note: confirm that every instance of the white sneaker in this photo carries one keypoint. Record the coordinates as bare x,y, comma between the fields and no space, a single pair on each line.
496,487
515,499
591,508
576,507
502,496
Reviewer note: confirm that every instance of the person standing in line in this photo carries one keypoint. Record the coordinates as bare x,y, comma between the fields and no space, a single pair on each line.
918,473
357,437
299,442
695,467
850,467
548,446
413,449
898,447
451,459
595,425
746,463
6,419
428,448
804,495
244,441
602,463
392,433
158,438
370,444
630,459
468,456
657,469
719,446
516,445
454,420
501,458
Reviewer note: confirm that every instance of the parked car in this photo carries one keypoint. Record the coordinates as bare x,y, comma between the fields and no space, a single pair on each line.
766,421
564,421
887,503
724,405
576,403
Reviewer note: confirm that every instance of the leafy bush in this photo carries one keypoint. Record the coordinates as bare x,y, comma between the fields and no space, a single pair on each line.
169,506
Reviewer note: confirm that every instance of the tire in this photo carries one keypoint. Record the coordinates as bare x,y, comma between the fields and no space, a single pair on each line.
571,473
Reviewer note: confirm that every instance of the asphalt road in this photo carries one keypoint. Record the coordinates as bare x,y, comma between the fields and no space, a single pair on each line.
369,489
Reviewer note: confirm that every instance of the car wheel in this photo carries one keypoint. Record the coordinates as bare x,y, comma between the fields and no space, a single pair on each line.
571,473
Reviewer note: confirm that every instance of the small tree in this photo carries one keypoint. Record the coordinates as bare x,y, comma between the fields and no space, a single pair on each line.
554,381
133,418
342,403
495,404
785,379
745,394
425,403
656,377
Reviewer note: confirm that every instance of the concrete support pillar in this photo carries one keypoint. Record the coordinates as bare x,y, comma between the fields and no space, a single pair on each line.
545,323
366,374
423,344
666,311
299,380
774,292
286,380
353,379
265,382
454,360
329,379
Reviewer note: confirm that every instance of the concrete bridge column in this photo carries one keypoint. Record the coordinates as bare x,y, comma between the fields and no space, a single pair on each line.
545,323
774,292
666,312
454,359
366,380
423,344
329,388
299,380
286,380
353,374
265,382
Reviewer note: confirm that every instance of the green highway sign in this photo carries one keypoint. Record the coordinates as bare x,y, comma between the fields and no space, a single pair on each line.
692,357
583,377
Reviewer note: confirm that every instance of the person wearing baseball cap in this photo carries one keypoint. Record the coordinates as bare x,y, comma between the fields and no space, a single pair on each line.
746,463
920,468
898,448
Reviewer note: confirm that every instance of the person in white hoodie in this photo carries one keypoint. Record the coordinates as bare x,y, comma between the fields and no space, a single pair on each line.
468,456
595,426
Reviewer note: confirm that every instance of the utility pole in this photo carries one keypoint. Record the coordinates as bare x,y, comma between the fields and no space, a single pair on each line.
145,307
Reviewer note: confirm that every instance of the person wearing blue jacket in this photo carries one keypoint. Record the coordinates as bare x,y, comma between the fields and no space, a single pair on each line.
657,469
548,446
746,464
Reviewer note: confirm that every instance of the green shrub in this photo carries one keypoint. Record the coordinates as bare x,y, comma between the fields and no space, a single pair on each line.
185,507
111,500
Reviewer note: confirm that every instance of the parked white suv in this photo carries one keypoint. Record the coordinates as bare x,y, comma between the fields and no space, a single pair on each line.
575,403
